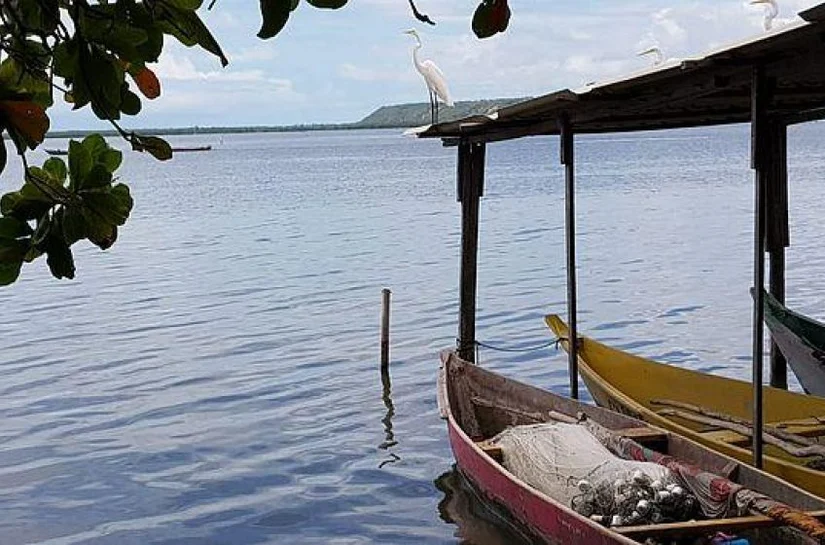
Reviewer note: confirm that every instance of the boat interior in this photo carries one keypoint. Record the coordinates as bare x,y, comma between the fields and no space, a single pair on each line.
484,404
676,393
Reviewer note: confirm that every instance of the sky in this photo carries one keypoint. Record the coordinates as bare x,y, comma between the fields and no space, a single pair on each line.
337,66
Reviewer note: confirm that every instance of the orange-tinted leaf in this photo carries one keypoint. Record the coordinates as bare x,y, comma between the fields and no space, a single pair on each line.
147,82
28,119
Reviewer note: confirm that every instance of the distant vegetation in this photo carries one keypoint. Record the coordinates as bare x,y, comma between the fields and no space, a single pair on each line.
413,115
385,117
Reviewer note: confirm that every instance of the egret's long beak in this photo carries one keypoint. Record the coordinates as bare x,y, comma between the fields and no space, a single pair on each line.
759,2
410,32
647,51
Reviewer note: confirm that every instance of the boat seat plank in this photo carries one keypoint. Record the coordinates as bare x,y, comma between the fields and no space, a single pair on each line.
725,436
734,438
644,435
805,428
491,450
704,527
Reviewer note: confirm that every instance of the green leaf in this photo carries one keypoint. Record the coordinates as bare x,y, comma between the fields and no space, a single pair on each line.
27,204
328,4
73,224
44,228
275,14
56,168
59,257
95,144
17,82
191,5
12,228
100,233
112,207
111,159
4,154
157,147
66,58
97,178
188,28
80,163
130,102
12,254
9,272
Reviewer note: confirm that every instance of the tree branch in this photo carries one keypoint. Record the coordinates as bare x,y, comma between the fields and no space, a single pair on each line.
424,18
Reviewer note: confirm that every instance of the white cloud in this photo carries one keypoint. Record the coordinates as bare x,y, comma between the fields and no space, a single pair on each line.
361,73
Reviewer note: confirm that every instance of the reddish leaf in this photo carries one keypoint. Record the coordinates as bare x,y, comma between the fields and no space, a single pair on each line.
147,82
27,119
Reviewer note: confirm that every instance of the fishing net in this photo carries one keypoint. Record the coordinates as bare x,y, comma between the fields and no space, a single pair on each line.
569,464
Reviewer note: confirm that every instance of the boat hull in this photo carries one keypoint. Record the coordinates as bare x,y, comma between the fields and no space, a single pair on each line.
799,339
541,516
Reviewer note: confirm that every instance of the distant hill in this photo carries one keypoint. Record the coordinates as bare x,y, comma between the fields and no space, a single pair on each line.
414,115
385,117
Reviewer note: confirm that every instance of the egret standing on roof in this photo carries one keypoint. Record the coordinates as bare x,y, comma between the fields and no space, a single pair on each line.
771,11
658,58
433,77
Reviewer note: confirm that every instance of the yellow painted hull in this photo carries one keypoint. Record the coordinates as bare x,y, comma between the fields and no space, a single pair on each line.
626,383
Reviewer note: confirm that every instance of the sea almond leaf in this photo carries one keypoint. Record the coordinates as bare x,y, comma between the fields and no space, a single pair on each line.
28,119
147,82
275,14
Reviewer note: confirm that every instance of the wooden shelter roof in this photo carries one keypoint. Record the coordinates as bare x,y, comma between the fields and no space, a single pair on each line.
711,89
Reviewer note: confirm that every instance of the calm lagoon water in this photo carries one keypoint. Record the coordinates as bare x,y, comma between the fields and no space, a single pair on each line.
213,379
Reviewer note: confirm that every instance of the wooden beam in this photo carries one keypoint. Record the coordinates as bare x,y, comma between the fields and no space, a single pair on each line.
759,155
815,14
777,235
704,527
567,145
813,114
470,188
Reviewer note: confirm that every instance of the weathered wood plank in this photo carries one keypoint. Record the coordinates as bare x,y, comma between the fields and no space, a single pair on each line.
705,527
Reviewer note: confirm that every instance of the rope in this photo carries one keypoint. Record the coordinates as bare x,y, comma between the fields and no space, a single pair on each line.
542,346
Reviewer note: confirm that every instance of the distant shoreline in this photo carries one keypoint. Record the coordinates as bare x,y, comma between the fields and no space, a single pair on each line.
399,116
194,131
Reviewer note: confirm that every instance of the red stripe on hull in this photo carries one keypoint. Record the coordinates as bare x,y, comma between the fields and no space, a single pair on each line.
547,520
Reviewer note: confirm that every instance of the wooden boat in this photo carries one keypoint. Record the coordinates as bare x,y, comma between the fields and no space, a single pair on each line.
478,404
657,393
52,151
801,340
194,148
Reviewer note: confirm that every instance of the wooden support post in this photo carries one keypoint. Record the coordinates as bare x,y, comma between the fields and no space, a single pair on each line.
778,235
759,161
568,160
470,189
385,329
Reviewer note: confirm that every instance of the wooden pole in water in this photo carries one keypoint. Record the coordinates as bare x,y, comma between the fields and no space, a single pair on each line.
778,236
470,189
568,160
759,162
385,329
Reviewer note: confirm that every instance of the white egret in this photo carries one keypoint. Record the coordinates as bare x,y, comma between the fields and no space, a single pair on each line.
433,77
771,12
658,56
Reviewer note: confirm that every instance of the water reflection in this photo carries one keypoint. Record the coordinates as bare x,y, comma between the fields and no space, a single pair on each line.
476,521
389,436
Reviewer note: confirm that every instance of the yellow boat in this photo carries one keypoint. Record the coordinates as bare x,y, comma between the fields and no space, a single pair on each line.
658,393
